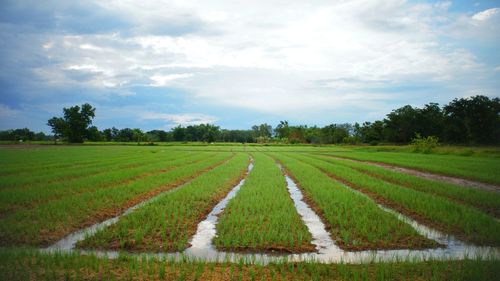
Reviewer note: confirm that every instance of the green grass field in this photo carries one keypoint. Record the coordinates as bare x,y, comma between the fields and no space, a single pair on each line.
48,192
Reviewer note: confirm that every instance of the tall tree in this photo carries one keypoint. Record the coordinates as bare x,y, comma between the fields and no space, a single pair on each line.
74,125
59,127
473,120
282,130
401,124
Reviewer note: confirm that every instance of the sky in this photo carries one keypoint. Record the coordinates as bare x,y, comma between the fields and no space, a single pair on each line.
159,64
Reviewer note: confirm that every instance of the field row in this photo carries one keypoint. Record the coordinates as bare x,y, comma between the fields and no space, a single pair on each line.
54,218
44,206
261,217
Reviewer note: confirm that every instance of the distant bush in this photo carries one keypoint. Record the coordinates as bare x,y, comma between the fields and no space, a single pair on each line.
424,144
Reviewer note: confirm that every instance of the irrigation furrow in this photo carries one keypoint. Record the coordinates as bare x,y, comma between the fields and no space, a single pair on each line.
202,248
463,221
49,222
262,216
72,163
427,175
107,179
157,202
321,238
494,211
82,172
201,242
371,230
145,191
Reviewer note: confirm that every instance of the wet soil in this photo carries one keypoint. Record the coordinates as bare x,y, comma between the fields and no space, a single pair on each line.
403,210
103,214
409,243
426,174
489,210
158,244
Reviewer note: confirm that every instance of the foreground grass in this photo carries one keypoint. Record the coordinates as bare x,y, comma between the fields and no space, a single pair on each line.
167,223
354,221
51,221
30,265
487,201
485,169
262,216
465,222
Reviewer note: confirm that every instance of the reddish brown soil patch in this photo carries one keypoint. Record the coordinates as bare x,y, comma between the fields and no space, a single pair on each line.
409,243
159,244
47,238
271,249
425,174
56,197
399,208
489,210
24,146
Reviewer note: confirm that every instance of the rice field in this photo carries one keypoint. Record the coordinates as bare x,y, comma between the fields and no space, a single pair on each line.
142,205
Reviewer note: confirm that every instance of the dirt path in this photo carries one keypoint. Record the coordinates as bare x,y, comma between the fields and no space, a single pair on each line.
427,175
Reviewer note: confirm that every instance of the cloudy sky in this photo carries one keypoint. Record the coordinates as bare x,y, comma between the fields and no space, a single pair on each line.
158,64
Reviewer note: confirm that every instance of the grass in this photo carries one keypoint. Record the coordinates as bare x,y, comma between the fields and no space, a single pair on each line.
354,221
26,197
31,265
47,192
485,169
23,177
487,201
49,222
465,222
167,223
262,216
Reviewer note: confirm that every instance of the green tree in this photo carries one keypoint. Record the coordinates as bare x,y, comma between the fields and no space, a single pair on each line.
208,132
401,124
179,133
282,130
137,135
262,130
93,134
59,127
74,125
372,132
474,120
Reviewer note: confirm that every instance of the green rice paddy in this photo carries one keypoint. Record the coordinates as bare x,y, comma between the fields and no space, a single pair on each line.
48,192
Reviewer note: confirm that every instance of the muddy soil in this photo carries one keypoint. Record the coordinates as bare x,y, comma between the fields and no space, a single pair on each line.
428,175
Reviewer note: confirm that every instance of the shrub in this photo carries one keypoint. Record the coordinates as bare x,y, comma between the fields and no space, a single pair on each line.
424,144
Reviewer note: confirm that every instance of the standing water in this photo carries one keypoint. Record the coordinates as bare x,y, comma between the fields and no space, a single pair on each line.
327,251
201,243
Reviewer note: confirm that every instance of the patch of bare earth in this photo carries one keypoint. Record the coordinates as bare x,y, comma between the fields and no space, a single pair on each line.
49,237
489,210
158,243
425,174
406,243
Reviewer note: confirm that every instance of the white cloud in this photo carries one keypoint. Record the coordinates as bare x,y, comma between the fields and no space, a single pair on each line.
167,80
185,119
48,45
269,56
87,67
91,47
486,14
7,112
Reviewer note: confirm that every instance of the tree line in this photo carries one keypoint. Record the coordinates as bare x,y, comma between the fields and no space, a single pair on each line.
473,120
23,134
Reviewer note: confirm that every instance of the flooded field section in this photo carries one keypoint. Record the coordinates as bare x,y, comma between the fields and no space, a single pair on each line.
261,206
